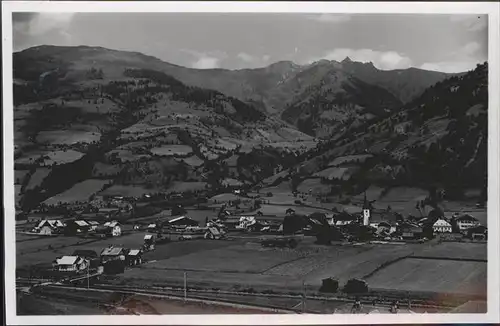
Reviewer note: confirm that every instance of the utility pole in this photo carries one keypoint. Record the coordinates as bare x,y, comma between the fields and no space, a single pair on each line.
185,286
88,275
303,297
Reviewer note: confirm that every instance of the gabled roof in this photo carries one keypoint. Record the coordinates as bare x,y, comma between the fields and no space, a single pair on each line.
180,218
93,222
51,223
67,260
442,222
466,217
81,223
112,224
112,251
134,252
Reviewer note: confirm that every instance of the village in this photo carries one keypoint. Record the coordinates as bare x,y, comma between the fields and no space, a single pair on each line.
102,241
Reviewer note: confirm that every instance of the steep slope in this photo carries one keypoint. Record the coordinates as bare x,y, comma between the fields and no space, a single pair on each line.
330,99
437,140
270,88
405,84
96,123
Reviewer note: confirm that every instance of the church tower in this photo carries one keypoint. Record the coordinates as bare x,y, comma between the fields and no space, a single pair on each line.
366,212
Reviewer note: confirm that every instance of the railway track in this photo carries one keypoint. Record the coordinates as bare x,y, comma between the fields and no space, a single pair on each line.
207,299
289,303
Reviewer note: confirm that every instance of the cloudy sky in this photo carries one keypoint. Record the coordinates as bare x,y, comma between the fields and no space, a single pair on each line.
450,43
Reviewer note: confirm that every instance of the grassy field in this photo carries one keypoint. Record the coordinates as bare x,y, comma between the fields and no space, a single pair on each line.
445,276
456,250
169,150
126,191
126,155
349,159
37,178
62,157
68,137
30,157
180,186
79,192
248,258
315,186
193,161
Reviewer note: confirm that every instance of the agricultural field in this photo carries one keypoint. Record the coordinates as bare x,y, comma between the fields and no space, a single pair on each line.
62,157
445,276
125,156
80,192
455,250
349,159
336,173
315,186
179,186
248,258
37,178
28,158
68,137
126,191
170,150
194,161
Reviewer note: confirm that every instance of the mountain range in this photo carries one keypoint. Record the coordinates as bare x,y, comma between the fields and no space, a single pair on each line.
128,119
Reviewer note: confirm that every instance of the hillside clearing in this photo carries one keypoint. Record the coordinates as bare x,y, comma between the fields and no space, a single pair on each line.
80,192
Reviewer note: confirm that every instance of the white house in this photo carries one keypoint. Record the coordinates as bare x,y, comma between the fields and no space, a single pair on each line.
116,228
465,222
441,226
71,264
47,227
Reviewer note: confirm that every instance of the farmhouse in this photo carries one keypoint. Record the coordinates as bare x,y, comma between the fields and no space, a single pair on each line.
115,228
464,222
113,253
134,257
70,264
48,227
183,221
93,225
76,227
442,226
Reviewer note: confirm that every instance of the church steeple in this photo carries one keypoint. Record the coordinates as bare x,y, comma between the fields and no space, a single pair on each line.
366,211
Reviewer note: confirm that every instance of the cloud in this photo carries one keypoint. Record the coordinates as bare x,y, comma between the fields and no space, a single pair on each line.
472,23
30,29
464,59
23,17
449,66
331,18
383,60
253,61
245,57
206,62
